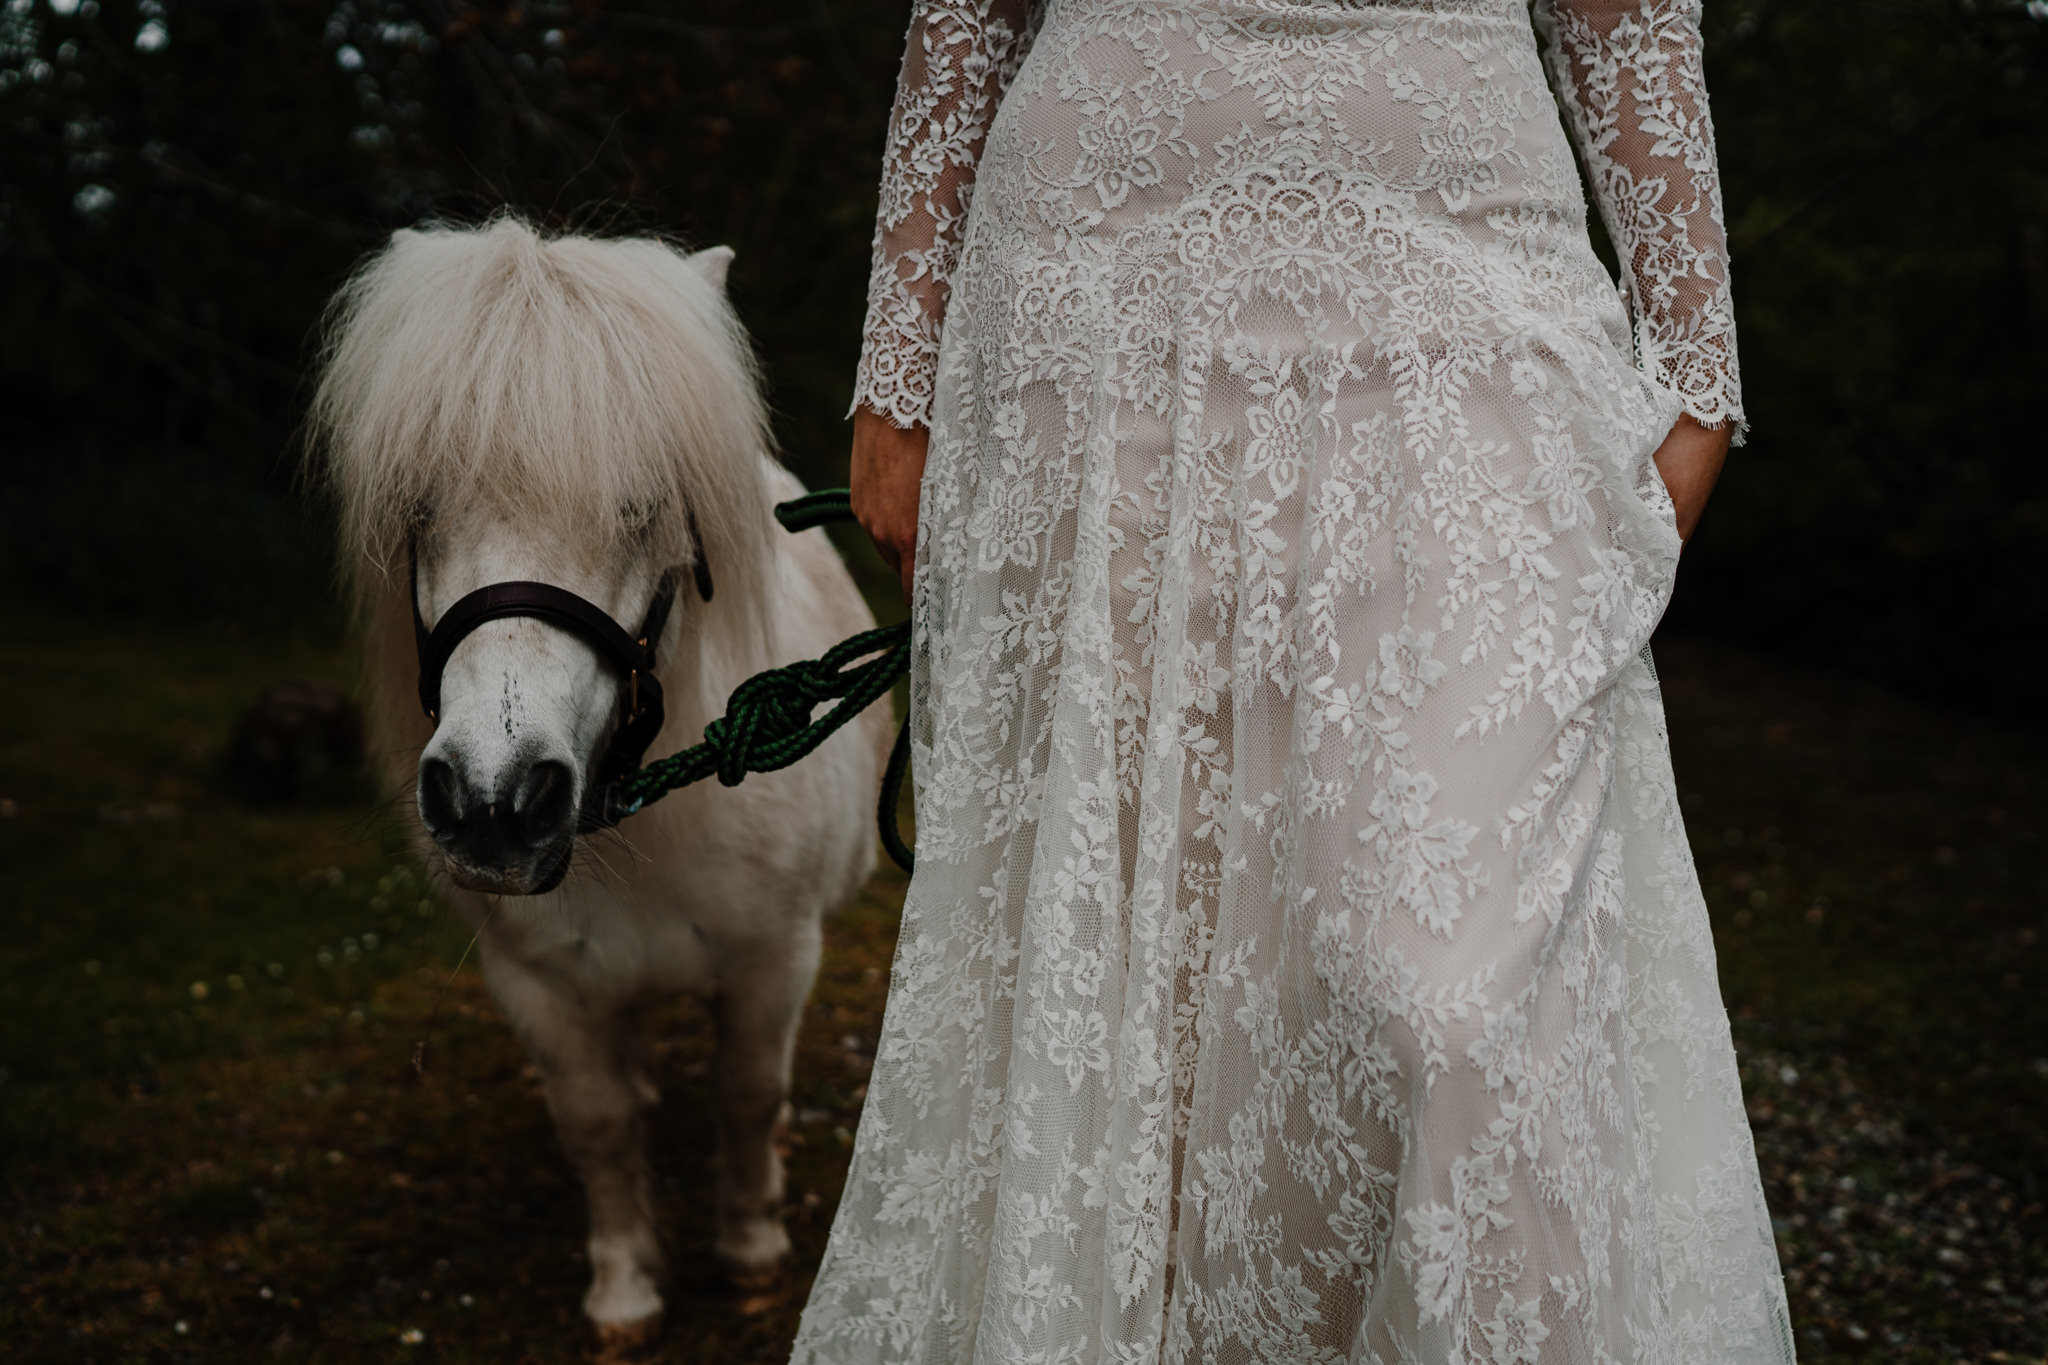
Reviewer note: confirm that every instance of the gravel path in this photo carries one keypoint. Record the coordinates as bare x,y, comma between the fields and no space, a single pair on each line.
1894,1246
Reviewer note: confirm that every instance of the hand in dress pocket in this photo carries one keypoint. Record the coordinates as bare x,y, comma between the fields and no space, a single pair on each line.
1689,462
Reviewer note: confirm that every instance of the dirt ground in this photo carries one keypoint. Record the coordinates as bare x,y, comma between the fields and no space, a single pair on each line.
213,1148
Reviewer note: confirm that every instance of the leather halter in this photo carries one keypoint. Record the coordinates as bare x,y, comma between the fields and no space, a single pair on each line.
632,656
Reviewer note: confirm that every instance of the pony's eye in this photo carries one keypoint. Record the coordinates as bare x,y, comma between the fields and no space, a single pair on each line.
638,517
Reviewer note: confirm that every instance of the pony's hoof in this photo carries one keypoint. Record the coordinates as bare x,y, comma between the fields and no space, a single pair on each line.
756,1290
751,1252
628,1343
755,1277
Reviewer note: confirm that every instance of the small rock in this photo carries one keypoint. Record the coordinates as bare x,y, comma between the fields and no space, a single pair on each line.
300,738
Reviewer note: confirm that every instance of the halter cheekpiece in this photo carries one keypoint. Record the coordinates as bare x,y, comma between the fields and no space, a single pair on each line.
632,656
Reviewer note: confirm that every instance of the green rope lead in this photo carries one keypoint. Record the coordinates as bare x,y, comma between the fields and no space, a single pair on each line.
892,793
767,722
815,509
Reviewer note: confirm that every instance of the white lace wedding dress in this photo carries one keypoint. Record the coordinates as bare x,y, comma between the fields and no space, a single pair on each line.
1304,961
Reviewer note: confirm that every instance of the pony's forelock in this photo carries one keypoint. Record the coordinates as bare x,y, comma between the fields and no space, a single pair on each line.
601,391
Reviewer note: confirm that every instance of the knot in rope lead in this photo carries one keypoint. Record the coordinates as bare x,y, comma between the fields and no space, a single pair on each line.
768,725
768,721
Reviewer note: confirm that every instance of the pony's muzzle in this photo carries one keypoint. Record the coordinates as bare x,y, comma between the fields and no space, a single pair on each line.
512,835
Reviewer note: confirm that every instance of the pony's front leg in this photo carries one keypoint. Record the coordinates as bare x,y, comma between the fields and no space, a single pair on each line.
759,1004
591,1063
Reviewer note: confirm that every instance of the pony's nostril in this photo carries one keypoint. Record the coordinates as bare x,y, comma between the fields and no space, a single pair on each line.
544,802
440,797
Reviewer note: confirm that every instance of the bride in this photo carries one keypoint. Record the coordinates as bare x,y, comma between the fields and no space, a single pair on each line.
1304,961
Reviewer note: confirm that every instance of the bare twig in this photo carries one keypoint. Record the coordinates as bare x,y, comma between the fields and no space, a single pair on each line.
419,1049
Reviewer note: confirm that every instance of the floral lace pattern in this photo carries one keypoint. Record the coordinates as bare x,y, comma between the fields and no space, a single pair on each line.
1629,72
958,59
1305,961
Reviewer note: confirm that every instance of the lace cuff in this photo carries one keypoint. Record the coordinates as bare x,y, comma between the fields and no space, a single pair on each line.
957,62
1630,77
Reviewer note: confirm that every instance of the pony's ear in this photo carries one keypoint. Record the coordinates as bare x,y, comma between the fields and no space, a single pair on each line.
712,263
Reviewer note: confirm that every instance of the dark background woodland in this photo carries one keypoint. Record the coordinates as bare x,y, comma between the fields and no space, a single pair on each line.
182,185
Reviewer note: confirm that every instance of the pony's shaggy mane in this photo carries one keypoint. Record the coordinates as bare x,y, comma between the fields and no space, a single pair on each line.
599,395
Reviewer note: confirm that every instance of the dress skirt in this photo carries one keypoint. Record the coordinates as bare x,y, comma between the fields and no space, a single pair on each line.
1304,962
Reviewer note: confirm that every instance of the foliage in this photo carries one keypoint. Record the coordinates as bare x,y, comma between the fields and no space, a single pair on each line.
167,541
182,185
1887,183
185,185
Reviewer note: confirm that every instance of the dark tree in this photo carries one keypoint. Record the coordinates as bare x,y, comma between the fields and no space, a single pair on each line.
182,185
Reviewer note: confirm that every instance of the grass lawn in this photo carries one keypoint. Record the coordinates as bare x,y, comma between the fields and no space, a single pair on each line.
213,1148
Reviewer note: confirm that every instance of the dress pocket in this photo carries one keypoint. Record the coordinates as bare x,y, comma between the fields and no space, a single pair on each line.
1658,494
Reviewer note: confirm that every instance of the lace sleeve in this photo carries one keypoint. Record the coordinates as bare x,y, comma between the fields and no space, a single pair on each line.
1629,74
956,63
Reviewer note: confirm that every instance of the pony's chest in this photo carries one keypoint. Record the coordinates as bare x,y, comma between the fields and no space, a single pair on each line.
617,949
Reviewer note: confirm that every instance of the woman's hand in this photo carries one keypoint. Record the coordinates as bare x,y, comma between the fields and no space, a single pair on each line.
888,469
1690,461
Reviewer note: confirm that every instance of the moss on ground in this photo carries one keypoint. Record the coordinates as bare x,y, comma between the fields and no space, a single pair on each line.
212,1146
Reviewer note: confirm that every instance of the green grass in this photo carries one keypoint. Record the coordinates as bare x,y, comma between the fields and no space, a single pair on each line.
207,1013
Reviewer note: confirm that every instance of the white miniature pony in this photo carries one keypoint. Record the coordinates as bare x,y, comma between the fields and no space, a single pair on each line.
585,414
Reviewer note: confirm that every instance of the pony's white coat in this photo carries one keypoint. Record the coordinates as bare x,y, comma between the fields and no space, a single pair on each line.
571,410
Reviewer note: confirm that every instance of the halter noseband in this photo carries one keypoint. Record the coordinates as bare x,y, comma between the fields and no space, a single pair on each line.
632,656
